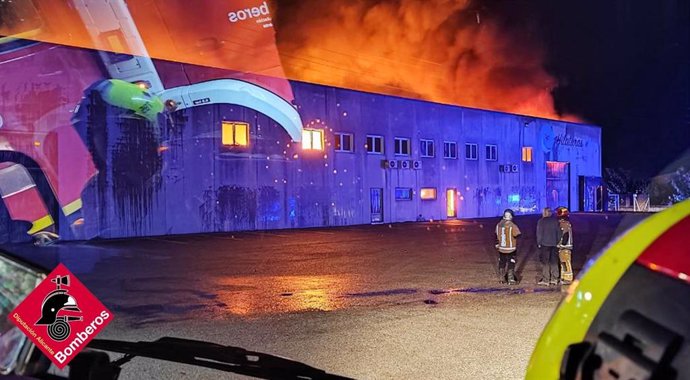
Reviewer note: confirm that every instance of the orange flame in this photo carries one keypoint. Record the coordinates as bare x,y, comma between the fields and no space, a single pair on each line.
446,51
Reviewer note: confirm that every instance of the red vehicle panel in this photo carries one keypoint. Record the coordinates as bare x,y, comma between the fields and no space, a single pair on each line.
36,106
670,254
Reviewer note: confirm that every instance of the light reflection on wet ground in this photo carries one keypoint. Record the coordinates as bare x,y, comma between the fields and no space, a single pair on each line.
278,294
206,277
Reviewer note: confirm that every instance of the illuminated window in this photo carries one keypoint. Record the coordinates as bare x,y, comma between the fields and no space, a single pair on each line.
403,194
427,193
312,139
450,149
375,144
402,146
527,154
471,151
491,153
427,148
343,142
235,133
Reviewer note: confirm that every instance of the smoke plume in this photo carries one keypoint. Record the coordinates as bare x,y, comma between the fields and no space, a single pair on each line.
476,53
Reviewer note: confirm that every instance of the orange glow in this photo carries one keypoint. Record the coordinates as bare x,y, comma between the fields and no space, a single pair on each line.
235,133
451,211
170,29
440,51
312,139
427,193
443,51
527,154
251,295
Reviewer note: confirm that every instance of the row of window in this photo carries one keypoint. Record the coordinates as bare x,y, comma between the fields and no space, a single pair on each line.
237,134
402,147
344,142
405,193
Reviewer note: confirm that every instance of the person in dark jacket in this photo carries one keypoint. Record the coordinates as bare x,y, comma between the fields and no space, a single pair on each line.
547,240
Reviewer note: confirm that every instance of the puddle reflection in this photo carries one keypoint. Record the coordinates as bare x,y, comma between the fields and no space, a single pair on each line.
250,295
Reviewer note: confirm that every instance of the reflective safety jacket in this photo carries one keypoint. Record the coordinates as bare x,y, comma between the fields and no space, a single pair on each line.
506,232
565,239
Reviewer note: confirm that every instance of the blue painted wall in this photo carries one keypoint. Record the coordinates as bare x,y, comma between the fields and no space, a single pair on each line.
174,176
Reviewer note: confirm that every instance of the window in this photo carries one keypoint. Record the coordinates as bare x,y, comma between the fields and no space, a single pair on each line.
375,144
427,193
427,148
471,151
403,194
491,152
450,149
527,153
312,139
235,133
343,142
402,146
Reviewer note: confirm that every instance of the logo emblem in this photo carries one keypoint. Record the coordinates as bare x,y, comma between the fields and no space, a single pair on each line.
61,316
57,308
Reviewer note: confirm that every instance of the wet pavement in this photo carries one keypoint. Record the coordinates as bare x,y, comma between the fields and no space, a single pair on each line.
404,300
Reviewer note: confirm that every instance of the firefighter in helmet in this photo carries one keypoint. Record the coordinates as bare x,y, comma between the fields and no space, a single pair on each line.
565,244
506,233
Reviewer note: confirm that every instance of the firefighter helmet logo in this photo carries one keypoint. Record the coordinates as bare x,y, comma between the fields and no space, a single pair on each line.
61,316
58,309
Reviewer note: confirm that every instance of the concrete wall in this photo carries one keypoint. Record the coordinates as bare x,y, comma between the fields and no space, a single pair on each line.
174,176
182,180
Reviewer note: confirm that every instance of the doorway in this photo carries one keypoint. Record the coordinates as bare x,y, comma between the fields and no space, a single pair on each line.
557,184
451,203
376,201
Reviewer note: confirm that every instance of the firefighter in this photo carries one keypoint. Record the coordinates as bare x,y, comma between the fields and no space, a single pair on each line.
548,232
506,233
565,245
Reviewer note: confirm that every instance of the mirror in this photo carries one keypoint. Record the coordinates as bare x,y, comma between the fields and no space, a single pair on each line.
16,282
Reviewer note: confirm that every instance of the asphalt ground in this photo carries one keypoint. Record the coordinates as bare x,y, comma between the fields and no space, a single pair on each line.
392,301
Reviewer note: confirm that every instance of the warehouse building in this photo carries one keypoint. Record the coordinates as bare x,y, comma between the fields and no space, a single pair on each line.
118,142
364,158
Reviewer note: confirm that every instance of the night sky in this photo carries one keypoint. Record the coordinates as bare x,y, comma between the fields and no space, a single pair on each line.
619,64
624,65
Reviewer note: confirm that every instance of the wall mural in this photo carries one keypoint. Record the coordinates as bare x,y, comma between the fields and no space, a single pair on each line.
89,124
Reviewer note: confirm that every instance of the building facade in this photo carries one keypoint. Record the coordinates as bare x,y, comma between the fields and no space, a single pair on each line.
229,155
364,158
116,125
